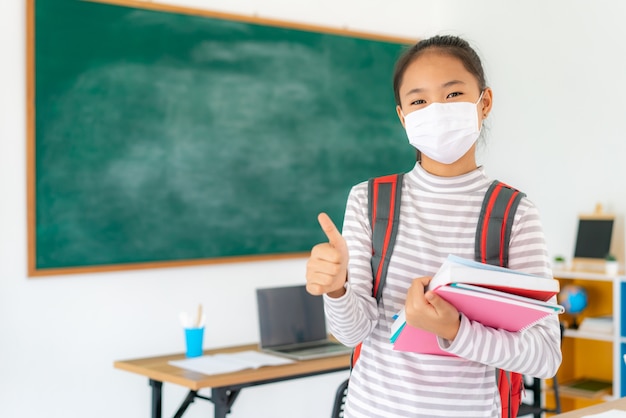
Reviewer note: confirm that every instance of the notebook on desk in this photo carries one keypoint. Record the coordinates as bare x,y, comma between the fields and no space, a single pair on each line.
292,324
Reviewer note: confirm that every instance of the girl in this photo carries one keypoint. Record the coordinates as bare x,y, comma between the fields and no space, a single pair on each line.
442,100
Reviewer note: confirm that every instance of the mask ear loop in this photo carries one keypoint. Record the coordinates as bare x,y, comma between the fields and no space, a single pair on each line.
418,156
477,101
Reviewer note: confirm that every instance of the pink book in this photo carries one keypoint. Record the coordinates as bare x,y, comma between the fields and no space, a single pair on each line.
489,307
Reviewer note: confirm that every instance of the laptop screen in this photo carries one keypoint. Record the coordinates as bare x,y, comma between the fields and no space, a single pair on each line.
290,315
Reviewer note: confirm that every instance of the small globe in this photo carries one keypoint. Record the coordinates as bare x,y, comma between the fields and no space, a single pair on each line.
573,298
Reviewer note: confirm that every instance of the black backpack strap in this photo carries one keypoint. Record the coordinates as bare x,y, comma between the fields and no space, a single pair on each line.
493,231
383,209
493,234
384,196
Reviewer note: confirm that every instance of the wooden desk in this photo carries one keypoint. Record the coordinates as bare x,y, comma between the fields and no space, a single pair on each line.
225,387
619,404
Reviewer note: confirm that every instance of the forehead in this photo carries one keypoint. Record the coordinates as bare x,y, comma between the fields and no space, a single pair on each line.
432,69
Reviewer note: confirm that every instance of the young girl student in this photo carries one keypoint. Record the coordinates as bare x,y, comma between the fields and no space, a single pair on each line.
442,101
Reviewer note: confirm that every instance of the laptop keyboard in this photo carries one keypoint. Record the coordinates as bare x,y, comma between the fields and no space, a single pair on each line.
327,347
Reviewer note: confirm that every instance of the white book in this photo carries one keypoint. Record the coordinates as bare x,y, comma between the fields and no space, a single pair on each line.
229,362
601,324
459,270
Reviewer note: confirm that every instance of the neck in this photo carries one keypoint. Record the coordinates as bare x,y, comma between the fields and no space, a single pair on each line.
458,168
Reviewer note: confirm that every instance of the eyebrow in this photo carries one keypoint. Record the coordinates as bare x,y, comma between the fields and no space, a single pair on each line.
444,85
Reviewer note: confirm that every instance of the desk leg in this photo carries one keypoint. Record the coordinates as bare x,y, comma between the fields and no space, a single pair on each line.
223,399
536,389
157,390
188,400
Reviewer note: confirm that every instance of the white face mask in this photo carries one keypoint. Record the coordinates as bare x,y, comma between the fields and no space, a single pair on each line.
443,131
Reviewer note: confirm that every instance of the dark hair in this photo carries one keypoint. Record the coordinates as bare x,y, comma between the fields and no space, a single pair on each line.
447,44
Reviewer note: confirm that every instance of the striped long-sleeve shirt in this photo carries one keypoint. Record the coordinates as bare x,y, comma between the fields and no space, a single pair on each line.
438,216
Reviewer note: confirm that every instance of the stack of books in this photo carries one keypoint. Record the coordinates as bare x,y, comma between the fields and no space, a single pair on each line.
597,324
494,296
586,388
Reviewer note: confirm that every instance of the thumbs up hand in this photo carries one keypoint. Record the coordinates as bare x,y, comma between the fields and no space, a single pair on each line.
327,268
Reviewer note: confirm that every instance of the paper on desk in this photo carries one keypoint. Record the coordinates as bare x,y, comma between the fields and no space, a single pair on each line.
613,413
230,362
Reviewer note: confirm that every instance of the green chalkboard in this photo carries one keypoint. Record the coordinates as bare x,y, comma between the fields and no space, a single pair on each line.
165,136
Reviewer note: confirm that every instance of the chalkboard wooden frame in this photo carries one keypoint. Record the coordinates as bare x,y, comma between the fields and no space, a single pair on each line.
40,202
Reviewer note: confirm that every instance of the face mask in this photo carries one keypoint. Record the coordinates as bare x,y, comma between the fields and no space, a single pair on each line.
444,131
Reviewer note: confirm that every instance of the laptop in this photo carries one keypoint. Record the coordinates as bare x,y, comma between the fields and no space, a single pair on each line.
292,324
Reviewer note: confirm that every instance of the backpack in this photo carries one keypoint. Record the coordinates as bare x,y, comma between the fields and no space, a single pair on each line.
493,233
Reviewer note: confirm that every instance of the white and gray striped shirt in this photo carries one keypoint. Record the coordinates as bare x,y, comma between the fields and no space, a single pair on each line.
438,217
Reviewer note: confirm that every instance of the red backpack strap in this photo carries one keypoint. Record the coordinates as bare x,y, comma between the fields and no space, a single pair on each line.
493,234
510,387
384,196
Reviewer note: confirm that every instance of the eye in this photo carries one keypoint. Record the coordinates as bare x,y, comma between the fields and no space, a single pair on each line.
453,95
418,102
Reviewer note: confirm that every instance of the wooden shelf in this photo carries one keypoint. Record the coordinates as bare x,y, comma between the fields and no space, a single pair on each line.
572,333
604,398
585,275
592,354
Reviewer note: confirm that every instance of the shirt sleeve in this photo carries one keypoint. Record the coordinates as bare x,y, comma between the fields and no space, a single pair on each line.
352,317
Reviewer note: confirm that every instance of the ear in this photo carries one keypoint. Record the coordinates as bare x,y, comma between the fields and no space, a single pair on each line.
400,115
487,103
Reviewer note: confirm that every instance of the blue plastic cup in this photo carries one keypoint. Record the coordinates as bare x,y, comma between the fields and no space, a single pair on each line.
193,341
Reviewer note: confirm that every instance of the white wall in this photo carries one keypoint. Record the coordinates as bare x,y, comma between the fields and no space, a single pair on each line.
559,80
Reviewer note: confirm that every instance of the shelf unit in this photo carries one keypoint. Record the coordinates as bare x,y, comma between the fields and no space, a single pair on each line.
594,355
